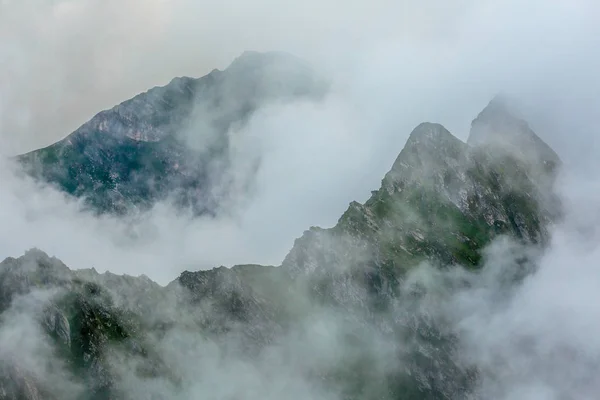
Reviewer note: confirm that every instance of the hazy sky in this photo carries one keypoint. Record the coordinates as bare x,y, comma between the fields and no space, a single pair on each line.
65,60
61,61
394,65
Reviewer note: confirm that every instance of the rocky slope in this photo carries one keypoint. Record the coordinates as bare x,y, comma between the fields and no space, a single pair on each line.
337,319
172,141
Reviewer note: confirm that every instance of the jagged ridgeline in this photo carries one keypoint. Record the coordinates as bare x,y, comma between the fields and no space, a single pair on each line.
334,321
171,142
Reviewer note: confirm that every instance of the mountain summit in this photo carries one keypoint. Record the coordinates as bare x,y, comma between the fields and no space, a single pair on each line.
497,126
171,142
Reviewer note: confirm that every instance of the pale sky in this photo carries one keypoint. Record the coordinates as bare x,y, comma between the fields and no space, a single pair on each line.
62,61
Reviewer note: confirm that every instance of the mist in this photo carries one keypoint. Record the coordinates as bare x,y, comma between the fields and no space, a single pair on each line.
393,65
537,339
422,60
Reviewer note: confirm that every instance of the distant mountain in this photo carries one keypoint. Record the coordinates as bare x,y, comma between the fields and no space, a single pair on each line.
172,141
337,319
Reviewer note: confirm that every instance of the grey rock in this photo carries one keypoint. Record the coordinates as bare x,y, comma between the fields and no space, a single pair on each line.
57,323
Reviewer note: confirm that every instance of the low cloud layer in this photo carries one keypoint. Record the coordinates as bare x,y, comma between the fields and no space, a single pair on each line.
535,340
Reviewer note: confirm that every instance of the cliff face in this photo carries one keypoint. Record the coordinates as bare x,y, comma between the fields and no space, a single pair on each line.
172,142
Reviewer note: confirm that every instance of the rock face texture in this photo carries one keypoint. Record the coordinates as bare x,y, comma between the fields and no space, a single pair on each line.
172,141
337,319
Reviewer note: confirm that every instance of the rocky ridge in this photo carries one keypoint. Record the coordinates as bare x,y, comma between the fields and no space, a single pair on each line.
441,203
171,142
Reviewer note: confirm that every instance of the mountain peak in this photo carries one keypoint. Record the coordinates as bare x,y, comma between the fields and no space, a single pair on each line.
429,142
495,121
497,126
500,102
273,74
270,64
430,148
430,133
166,141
